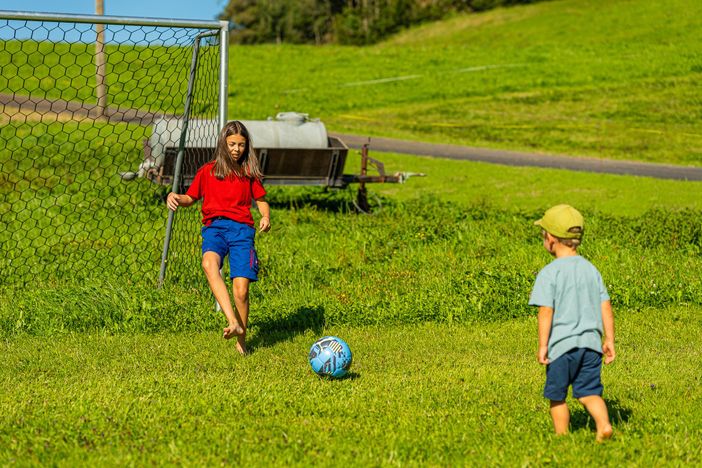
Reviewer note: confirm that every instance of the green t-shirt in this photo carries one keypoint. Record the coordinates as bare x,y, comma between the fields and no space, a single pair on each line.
574,289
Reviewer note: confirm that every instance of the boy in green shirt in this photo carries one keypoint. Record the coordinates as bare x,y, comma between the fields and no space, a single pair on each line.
574,313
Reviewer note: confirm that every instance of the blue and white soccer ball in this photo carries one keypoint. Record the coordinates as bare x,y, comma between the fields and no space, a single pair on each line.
330,356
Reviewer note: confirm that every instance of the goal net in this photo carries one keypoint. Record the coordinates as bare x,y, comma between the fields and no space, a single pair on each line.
81,188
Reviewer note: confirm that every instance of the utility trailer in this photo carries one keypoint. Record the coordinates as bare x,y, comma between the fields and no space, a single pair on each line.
292,150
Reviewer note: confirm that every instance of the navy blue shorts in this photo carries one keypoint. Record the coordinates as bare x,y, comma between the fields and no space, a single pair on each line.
226,237
579,367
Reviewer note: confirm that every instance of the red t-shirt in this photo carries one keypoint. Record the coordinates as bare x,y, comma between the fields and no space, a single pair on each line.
230,197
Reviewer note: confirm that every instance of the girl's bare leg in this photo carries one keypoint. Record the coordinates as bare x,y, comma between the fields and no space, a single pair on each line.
595,405
560,416
210,263
240,287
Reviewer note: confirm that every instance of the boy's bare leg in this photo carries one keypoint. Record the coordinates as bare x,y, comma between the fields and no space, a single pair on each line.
597,408
560,416
210,263
240,288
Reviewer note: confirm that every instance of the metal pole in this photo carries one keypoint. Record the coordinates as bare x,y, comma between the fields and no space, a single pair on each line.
223,73
95,19
223,89
100,89
179,159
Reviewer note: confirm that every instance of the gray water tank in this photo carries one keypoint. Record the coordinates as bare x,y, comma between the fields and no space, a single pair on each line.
287,130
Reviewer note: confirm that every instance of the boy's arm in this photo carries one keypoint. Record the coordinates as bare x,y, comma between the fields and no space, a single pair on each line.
545,319
265,210
608,325
174,200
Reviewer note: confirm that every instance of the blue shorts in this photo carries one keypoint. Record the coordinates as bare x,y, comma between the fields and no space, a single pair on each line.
226,237
579,367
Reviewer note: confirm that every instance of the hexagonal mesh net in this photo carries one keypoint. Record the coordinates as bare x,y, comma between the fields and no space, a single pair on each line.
81,185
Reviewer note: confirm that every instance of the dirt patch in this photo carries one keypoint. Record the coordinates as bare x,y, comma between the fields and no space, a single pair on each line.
18,114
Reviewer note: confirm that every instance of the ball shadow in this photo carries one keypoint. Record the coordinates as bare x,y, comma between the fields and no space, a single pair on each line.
348,376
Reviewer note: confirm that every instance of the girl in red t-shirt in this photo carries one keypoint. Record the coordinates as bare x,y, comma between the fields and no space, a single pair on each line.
228,186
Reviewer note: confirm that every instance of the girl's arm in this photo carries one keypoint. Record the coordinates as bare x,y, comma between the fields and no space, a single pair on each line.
174,200
545,319
265,224
608,325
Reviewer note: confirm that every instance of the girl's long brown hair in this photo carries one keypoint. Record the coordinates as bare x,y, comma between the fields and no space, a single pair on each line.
225,165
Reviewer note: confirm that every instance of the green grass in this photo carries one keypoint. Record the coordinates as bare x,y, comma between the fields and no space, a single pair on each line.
530,189
101,368
147,78
419,395
322,263
430,291
616,79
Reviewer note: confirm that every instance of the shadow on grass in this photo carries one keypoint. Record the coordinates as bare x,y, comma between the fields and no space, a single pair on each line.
270,332
323,199
580,418
326,199
349,376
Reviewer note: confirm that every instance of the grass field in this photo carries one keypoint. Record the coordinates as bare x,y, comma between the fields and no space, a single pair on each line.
324,264
101,368
428,394
616,79
430,292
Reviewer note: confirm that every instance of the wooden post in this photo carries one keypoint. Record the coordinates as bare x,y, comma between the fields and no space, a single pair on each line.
100,89
362,195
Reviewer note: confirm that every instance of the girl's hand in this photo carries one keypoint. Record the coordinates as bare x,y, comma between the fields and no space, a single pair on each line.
265,224
173,201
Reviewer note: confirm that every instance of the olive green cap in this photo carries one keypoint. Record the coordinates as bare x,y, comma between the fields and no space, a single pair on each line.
562,221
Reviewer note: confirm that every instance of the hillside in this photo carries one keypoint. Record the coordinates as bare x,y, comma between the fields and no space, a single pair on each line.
617,79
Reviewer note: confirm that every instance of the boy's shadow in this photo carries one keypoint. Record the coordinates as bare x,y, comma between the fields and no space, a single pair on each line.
272,331
618,414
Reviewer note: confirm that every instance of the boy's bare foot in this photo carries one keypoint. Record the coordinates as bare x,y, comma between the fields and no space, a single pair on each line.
231,331
241,348
605,434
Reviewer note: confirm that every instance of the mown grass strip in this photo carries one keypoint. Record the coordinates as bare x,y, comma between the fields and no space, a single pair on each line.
422,394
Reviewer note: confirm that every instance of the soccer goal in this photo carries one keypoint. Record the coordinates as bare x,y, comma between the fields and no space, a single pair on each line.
78,97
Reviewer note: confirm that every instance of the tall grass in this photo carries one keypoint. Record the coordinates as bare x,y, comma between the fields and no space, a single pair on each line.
414,261
66,212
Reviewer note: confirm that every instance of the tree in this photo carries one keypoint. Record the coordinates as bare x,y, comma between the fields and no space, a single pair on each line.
344,21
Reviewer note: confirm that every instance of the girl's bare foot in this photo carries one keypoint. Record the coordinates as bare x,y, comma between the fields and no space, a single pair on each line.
605,434
241,348
231,331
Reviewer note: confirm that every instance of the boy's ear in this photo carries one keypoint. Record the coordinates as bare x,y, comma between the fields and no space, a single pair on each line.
550,237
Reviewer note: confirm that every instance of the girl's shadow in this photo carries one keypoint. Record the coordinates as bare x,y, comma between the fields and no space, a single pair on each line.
270,332
334,201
